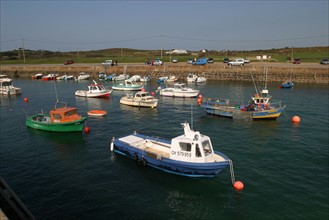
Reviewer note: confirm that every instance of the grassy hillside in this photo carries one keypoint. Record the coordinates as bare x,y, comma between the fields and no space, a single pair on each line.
126,55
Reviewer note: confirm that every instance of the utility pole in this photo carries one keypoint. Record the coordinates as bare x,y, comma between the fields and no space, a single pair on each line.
23,49
161,45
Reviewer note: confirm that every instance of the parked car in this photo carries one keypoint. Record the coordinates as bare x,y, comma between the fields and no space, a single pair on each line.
296,61
107,62
324,61
157,62
68,62
175,60
236,62
226,60
190,61
210,60
200,61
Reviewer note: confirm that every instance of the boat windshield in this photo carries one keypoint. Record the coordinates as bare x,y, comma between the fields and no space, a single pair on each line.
206,147
70,113
185,146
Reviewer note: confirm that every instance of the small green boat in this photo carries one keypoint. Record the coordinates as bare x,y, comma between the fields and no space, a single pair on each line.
63,119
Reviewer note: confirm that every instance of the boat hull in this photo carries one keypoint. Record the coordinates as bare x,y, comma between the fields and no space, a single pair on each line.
236,113
127,88
73,126
189,169
88,94
179,94
132,102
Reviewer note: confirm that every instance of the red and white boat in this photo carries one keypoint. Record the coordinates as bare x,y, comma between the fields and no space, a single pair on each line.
50,76
95,90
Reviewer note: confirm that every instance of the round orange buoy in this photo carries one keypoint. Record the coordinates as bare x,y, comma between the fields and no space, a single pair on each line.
152,93
143,90
26,100
97,112
199,102
295,119
238,185
86,130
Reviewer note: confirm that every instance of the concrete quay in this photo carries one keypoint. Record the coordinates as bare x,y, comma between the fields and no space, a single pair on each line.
277,72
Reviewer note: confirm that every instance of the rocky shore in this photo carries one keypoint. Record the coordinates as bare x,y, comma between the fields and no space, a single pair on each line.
277,72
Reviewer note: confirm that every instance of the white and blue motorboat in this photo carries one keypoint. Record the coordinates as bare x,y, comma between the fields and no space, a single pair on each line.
128,85
190,154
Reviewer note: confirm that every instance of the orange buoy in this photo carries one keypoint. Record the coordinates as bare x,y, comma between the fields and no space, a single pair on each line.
295,119
199,101
97,112
152,93
143,90
200,96
238,185
26,100
86,130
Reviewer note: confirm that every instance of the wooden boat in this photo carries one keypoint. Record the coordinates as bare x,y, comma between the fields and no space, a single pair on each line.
179,90
287,84
259,107
97,112
140,99
62,119
190,154
95,90
7,87
128,85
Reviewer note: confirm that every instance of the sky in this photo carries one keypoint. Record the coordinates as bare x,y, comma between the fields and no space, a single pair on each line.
168,24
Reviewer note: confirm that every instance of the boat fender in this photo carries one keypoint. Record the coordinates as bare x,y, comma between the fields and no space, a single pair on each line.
112,146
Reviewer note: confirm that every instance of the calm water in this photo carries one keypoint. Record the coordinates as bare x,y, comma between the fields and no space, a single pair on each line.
74,176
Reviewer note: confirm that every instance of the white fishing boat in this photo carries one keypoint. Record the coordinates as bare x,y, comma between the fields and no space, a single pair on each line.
172,79
193,78
83,76
190,154
95,90
140,99
128,85
7,87
179,90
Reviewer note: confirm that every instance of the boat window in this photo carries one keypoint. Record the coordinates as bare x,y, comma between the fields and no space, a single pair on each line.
206,147
57,116
69,113
197,151
185,146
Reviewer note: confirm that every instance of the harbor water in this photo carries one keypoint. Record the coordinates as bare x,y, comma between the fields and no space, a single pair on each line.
284,166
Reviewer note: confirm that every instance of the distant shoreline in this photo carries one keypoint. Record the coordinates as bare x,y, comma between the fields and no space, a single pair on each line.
304,73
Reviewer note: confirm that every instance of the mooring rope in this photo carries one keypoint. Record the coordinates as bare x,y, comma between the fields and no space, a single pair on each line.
232,172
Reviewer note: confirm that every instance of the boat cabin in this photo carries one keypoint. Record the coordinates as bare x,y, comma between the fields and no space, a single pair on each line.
96,88
64,114
7,88
192,147
262,99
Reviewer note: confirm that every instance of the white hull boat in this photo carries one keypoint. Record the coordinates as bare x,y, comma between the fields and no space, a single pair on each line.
94,91
128,85
179,90
7,88
140,99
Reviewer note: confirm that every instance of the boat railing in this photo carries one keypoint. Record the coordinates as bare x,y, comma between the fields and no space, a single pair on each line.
63,103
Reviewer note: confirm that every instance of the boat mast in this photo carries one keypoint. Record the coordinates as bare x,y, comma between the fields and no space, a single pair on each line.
254,82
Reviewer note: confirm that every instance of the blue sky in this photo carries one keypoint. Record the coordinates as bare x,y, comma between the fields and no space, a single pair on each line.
190,25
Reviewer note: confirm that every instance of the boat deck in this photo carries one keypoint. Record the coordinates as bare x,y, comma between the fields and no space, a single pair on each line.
155,148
